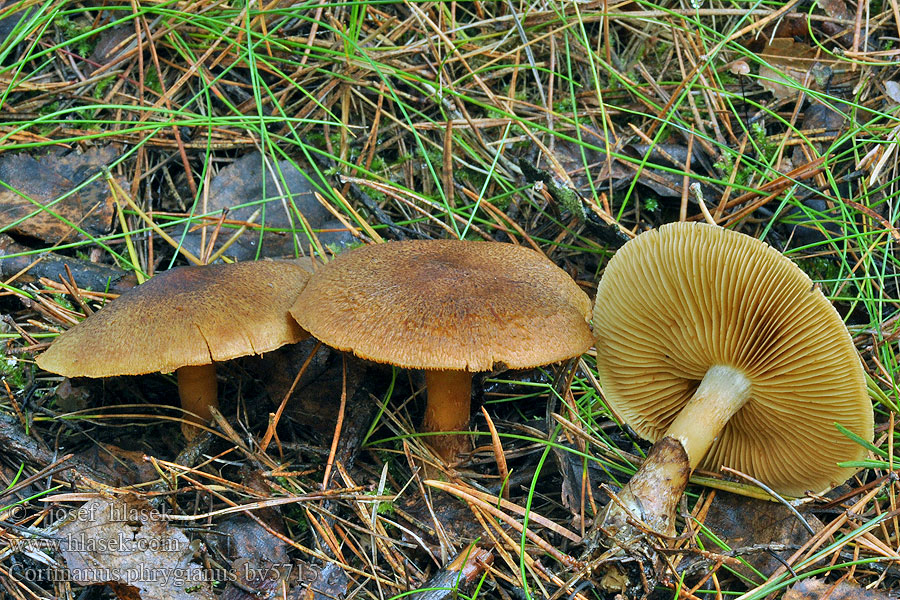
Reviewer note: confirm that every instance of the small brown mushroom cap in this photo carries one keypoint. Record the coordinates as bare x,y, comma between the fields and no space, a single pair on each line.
185,316
675,301
447,304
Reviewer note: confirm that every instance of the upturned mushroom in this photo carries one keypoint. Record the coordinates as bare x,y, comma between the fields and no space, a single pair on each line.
449,307
722,351
185,320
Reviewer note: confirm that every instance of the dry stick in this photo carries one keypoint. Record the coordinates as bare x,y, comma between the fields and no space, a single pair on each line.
379,534
315,242
713,99
817,540
132,253
873,215
267,438
185,162
757,25
235,236
497,545
184,251
356,216
367,154
534,566
472,495
854,48
686,178
447,170
499,456
439,531
779,183
337,427
72,288
891,488
775,495
731,178
327,535
208,248
681,52
503,536
337,215
502,215
12,400
373,132
247,509
896,10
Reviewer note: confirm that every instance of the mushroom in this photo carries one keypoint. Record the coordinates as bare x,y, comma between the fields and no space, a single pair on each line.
449,307
721,350
184,320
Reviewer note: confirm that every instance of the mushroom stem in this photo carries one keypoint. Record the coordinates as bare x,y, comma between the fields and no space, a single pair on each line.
197,389
449,397
722,392
654,491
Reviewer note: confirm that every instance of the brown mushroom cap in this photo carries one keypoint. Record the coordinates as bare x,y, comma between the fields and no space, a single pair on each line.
185,316
676,301
447,304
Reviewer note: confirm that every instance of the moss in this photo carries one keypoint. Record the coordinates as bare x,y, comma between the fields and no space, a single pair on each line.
12,371
821,269
102,86
71,29
151,79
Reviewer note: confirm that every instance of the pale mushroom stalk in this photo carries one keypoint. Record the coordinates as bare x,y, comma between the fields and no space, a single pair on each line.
654,491
449,399
692,299
722,392
198,391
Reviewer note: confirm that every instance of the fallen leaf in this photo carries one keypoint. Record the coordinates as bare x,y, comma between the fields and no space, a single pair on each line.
791,66
16,258
316,397
818,589
32,202
124,467
127,544
241,188
747,523
892,90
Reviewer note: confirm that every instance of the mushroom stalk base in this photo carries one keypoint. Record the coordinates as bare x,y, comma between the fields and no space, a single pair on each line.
645,507
652,494
722,392
449,399
625,536
198,391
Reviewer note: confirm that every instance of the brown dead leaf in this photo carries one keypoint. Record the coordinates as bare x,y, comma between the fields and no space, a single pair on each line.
241,188
837,9
110,44
31,200
792,65
124,467
818,589
8,24
821,122
747,523
316,397
127,544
